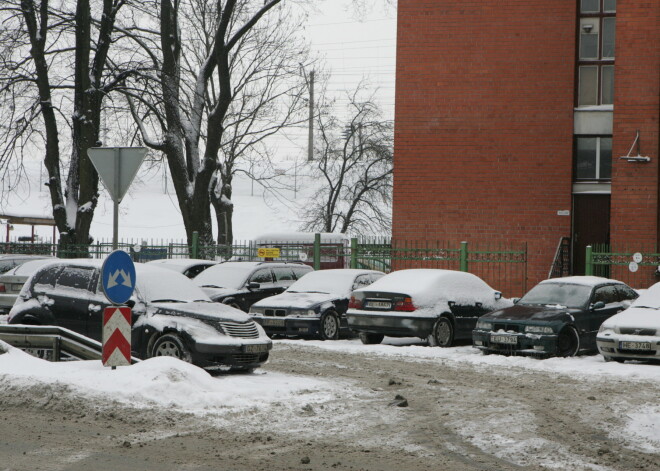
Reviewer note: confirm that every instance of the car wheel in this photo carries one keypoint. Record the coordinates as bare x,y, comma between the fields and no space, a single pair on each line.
329,328
443,332
171,345
568,342
370,339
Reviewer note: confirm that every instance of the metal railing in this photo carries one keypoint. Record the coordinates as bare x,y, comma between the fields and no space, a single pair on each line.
561,265
503,266
636,266
53,343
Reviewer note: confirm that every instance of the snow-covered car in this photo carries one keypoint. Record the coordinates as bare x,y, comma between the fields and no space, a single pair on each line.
12,281
439,305
9,261
241,284
171,316
633,334
314,306
558,317
191,267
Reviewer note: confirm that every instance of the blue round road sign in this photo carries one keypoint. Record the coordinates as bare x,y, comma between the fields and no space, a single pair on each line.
118,277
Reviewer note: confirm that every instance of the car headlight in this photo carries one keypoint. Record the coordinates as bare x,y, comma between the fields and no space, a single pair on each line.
303,312
538,329
604,327
484,325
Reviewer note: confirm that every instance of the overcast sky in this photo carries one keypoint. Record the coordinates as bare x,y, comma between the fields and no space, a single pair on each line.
354,45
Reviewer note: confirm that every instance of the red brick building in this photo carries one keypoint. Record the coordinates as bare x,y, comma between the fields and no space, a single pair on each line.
511,118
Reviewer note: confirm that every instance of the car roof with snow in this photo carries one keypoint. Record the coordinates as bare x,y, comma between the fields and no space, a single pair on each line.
338,281
181,263
30,267
422,281
583,280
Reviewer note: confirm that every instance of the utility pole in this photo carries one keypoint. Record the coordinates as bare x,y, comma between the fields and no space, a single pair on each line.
310,143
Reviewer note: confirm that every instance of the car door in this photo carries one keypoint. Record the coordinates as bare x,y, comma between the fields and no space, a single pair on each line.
267,286
70,298
609,296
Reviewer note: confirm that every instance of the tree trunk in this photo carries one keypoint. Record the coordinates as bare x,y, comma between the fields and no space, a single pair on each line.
224,208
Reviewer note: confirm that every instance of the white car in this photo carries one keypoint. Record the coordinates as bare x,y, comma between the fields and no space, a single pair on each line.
633,334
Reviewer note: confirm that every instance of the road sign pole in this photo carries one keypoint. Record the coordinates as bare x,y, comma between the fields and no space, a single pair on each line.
115,218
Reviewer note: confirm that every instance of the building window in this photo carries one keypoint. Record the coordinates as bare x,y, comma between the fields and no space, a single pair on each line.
597,24
593,158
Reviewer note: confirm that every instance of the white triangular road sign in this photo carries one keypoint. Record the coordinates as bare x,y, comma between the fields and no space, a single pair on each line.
117,167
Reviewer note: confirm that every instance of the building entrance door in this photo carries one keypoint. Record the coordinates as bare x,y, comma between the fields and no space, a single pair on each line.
591,225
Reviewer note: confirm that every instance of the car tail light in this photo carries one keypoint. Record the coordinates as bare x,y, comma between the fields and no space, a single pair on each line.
405,305
2,288
355,303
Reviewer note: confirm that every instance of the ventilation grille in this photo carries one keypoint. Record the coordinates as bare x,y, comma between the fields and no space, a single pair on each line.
247,330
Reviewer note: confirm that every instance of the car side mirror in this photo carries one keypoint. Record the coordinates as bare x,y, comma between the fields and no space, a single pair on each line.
597,305
498,295
253,285
515,300
131,303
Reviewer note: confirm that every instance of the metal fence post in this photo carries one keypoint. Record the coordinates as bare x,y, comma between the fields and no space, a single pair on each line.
317,251
464,256
589,262
195,245
354,249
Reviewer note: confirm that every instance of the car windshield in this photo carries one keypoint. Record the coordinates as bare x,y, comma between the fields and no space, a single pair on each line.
329,281
225,275
160,285
564,294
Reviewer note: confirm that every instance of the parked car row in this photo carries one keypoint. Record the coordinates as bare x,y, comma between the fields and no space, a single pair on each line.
222,314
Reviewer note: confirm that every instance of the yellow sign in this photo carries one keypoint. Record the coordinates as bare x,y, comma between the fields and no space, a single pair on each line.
268,253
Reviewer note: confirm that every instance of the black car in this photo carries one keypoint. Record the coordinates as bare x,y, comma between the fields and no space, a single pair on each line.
171,316
241,284
314,306
558,317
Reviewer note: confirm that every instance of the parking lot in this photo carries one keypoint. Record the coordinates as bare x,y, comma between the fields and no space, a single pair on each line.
335,405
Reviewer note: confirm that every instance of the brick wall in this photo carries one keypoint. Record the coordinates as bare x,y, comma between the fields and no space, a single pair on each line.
484,122
634,215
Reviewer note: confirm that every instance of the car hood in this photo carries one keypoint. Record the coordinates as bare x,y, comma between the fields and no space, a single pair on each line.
215,293
297,300
201,311
635,318
521,312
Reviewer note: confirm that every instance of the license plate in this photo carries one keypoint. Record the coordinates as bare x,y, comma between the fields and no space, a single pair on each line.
635,345
272,322
255,348
506,339
379,304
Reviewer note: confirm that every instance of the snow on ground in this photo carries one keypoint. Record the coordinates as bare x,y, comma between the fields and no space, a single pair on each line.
582,367
164,383
642,430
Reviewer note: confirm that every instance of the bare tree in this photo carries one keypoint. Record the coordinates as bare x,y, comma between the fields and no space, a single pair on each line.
354,161
226,81
53,78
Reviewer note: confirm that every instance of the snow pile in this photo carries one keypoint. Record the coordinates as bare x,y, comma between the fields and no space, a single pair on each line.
162,382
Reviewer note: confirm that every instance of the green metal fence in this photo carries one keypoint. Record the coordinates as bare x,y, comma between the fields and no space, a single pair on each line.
636,266
502,266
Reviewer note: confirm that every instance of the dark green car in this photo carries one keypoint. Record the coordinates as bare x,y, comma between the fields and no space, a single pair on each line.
558,317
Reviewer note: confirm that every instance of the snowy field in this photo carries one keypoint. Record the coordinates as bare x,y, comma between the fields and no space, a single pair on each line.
150,209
